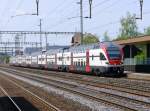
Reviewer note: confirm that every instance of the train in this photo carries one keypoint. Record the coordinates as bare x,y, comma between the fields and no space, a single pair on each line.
105,58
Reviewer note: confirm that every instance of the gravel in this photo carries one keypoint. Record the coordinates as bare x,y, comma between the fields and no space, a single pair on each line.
94,105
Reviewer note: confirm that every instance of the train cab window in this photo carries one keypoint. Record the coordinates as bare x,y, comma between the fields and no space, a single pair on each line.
102,57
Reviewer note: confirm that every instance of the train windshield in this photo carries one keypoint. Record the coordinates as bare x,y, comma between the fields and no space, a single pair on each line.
114,53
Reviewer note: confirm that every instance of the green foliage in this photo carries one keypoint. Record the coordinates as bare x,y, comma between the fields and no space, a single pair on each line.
128,27
140,57
89,39
106,37
4,59
147,31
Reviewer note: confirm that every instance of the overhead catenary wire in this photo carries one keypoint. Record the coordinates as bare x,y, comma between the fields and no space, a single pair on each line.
17,7
61,6
111,23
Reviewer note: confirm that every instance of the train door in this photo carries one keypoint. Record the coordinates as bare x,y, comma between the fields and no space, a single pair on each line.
71,67
87,69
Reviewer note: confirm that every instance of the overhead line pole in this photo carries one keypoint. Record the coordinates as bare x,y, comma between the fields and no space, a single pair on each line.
37,4
141,10
81,20
90,4
141,5
41,34
81,17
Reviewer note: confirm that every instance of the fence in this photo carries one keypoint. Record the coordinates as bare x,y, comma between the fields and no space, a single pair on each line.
135,61
137,65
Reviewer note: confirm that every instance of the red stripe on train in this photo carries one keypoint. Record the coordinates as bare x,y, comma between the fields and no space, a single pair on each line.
114,62
88,68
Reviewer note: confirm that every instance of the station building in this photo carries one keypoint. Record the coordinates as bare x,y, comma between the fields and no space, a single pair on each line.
136,53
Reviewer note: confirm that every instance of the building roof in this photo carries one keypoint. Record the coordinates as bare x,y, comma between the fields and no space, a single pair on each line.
76,39
135,40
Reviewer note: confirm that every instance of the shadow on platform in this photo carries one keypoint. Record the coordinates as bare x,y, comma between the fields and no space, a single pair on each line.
6,104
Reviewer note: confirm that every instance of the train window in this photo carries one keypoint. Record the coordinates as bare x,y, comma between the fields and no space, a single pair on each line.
60,58
102,57
78,63
92,57
81,63
84,63
114,53
68,58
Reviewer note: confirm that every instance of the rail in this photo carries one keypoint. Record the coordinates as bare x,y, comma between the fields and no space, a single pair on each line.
14,103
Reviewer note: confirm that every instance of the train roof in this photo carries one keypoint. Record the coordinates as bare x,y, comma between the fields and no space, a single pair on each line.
78,48
92,46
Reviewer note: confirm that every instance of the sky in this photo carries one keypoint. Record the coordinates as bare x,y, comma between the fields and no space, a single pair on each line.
63,15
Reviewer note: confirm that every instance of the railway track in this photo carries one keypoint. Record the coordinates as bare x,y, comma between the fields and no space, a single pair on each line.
125,85
107,98
14,104
43,105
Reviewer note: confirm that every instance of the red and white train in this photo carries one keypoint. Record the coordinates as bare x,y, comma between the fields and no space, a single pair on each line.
101,58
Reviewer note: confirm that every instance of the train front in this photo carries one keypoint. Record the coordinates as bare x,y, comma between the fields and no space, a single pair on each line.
115,59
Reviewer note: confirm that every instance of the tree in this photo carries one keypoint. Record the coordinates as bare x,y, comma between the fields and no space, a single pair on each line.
89,38
147,31
4,59
106,36
128,27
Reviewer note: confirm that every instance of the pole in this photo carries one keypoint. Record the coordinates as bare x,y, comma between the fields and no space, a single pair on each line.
81,20
46,41
41,34
90,4
141,10
141,5
37,3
